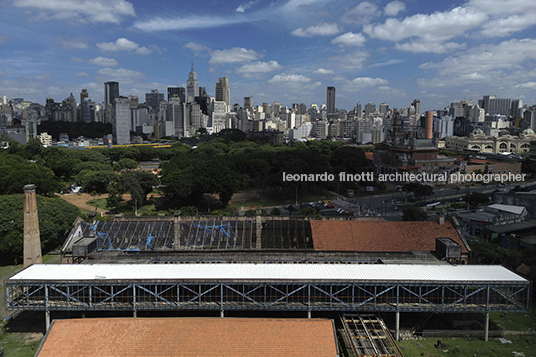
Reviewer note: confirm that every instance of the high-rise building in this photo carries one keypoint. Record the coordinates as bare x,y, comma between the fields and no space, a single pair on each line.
417,105
248,102
370,108
384,108
515,109
111,91
178,92
121,120
493,106
83,95
358,110
192,86
330,100
223,92
153,99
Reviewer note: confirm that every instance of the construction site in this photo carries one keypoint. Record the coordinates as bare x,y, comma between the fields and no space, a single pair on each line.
365,275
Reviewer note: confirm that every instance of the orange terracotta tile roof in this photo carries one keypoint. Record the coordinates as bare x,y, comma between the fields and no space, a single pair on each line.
369,155
235,337
380,236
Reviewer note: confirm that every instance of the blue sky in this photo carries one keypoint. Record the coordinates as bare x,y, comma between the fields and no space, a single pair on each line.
274,50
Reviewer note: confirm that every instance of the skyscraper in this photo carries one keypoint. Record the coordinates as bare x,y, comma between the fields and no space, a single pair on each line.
192,86
121,120
111,91
223,92
417,105
330,100
248,102
178,92
153,99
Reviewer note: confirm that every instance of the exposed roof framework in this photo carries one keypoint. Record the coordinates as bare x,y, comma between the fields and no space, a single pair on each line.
232,233
284,287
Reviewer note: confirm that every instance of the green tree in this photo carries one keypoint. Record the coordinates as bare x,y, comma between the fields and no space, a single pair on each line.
139,184
419,190
96,180
476,199
490,253
55,219
126,164
307,211
413,213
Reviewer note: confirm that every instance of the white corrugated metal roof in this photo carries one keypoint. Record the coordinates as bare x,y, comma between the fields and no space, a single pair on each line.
279,272
508,208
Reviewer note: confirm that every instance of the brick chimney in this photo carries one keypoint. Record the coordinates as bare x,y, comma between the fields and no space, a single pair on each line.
32,239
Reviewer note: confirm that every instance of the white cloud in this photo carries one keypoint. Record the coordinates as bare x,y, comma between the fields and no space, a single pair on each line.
120,74
350,39
190,23
77,43
77,59
320,30
503,7
508,62
393,8
363,13
103,61
528,85
428,32
508,25
351,60
289,78
39,77
94,11
324,71
419,47
123,44
235,54
259,67
82,74
197,48
368,81
242,8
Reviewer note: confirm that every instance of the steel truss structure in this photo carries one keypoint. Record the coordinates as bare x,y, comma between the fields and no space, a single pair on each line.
309,296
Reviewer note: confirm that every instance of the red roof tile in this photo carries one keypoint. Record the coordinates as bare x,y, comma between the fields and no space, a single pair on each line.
190,337
380,236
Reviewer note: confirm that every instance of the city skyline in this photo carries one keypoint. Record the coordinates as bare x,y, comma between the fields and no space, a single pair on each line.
286,51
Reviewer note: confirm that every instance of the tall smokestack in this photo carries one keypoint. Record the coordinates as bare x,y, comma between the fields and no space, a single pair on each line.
429,125
32,240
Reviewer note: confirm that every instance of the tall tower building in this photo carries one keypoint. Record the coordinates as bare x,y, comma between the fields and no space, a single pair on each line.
121,120
248,102
111,91
32,239
176,92
153,99
223,92
330,100
192,86
417,104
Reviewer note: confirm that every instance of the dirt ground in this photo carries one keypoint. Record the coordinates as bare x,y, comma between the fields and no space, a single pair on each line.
80,199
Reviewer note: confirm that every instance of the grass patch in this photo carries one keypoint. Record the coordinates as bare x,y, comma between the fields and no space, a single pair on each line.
18,344
468,347
515,321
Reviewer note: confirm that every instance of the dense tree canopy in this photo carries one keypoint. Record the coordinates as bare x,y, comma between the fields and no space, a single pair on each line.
55,219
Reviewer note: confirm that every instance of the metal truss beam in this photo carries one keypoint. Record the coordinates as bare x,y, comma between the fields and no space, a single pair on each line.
258,295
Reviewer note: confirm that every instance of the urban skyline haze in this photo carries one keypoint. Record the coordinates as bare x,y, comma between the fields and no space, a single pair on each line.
284,51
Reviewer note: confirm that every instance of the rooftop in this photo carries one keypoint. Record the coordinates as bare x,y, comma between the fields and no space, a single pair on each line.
190,337
380,236
218,272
